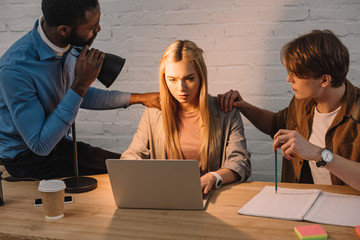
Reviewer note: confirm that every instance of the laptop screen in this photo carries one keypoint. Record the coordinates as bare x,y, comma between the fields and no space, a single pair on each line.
156,184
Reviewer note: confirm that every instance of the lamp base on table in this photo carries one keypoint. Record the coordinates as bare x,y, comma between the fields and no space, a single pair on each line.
80,184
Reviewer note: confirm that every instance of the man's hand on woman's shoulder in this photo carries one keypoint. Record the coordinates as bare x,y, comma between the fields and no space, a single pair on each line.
229,100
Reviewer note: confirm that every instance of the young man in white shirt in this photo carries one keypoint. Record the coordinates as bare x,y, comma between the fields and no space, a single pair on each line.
318,133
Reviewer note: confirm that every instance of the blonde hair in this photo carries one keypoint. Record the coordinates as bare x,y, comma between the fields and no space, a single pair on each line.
186,51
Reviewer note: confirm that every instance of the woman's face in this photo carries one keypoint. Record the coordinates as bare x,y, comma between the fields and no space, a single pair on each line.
183,83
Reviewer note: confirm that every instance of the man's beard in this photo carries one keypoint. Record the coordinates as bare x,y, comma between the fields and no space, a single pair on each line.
74,40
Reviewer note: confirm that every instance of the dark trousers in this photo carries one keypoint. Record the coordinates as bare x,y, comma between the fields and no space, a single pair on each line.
60,162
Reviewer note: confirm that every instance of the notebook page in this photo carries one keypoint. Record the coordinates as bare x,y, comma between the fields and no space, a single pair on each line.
289,204
336,209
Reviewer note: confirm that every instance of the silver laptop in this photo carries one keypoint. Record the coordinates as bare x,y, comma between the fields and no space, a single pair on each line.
156,184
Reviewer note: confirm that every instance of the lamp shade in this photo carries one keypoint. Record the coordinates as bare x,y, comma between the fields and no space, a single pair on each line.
110,69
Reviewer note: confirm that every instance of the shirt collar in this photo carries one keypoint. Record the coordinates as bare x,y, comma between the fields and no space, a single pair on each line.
348,99
43,50
57,50
347,102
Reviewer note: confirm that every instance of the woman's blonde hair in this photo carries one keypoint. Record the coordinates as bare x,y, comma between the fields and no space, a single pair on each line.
186,51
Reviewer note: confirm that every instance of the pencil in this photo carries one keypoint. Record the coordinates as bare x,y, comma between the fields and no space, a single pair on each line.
275,171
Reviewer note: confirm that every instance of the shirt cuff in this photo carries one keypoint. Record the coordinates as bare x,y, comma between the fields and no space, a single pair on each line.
69,106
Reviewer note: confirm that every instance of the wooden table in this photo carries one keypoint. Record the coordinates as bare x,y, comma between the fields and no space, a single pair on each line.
93,215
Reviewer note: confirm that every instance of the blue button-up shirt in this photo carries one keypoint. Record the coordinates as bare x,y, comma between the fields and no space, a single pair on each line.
37,105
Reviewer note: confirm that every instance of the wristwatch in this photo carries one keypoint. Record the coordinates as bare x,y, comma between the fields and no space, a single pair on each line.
219,180
326,157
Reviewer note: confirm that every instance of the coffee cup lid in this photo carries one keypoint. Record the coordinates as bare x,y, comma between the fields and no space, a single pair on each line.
51,185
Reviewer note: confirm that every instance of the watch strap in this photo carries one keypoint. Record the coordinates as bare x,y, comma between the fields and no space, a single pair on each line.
322,163
219,179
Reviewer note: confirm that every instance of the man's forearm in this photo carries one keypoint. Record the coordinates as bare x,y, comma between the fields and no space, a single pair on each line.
136,98
260,118
348,171
151,99
100,99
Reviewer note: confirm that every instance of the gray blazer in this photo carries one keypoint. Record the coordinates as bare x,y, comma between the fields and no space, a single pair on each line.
148,142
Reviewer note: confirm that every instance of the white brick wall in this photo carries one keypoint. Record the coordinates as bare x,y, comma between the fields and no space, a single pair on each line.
241,40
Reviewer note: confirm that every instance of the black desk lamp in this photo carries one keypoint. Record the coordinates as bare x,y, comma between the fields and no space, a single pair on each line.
110,69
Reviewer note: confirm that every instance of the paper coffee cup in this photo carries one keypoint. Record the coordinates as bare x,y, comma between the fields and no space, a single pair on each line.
52,194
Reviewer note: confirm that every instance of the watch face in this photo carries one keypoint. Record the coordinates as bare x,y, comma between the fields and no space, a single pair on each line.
327,155
219,183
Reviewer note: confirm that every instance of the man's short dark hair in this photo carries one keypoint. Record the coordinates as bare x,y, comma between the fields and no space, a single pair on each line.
66,12
315,54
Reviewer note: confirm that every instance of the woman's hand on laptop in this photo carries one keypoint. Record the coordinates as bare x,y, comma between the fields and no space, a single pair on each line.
207,182
219,177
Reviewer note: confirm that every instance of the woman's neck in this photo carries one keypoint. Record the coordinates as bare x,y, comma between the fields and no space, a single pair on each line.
189,107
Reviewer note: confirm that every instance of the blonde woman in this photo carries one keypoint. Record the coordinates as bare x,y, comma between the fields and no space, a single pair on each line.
190,125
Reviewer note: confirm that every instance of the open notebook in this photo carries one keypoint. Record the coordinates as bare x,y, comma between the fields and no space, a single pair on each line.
305,204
